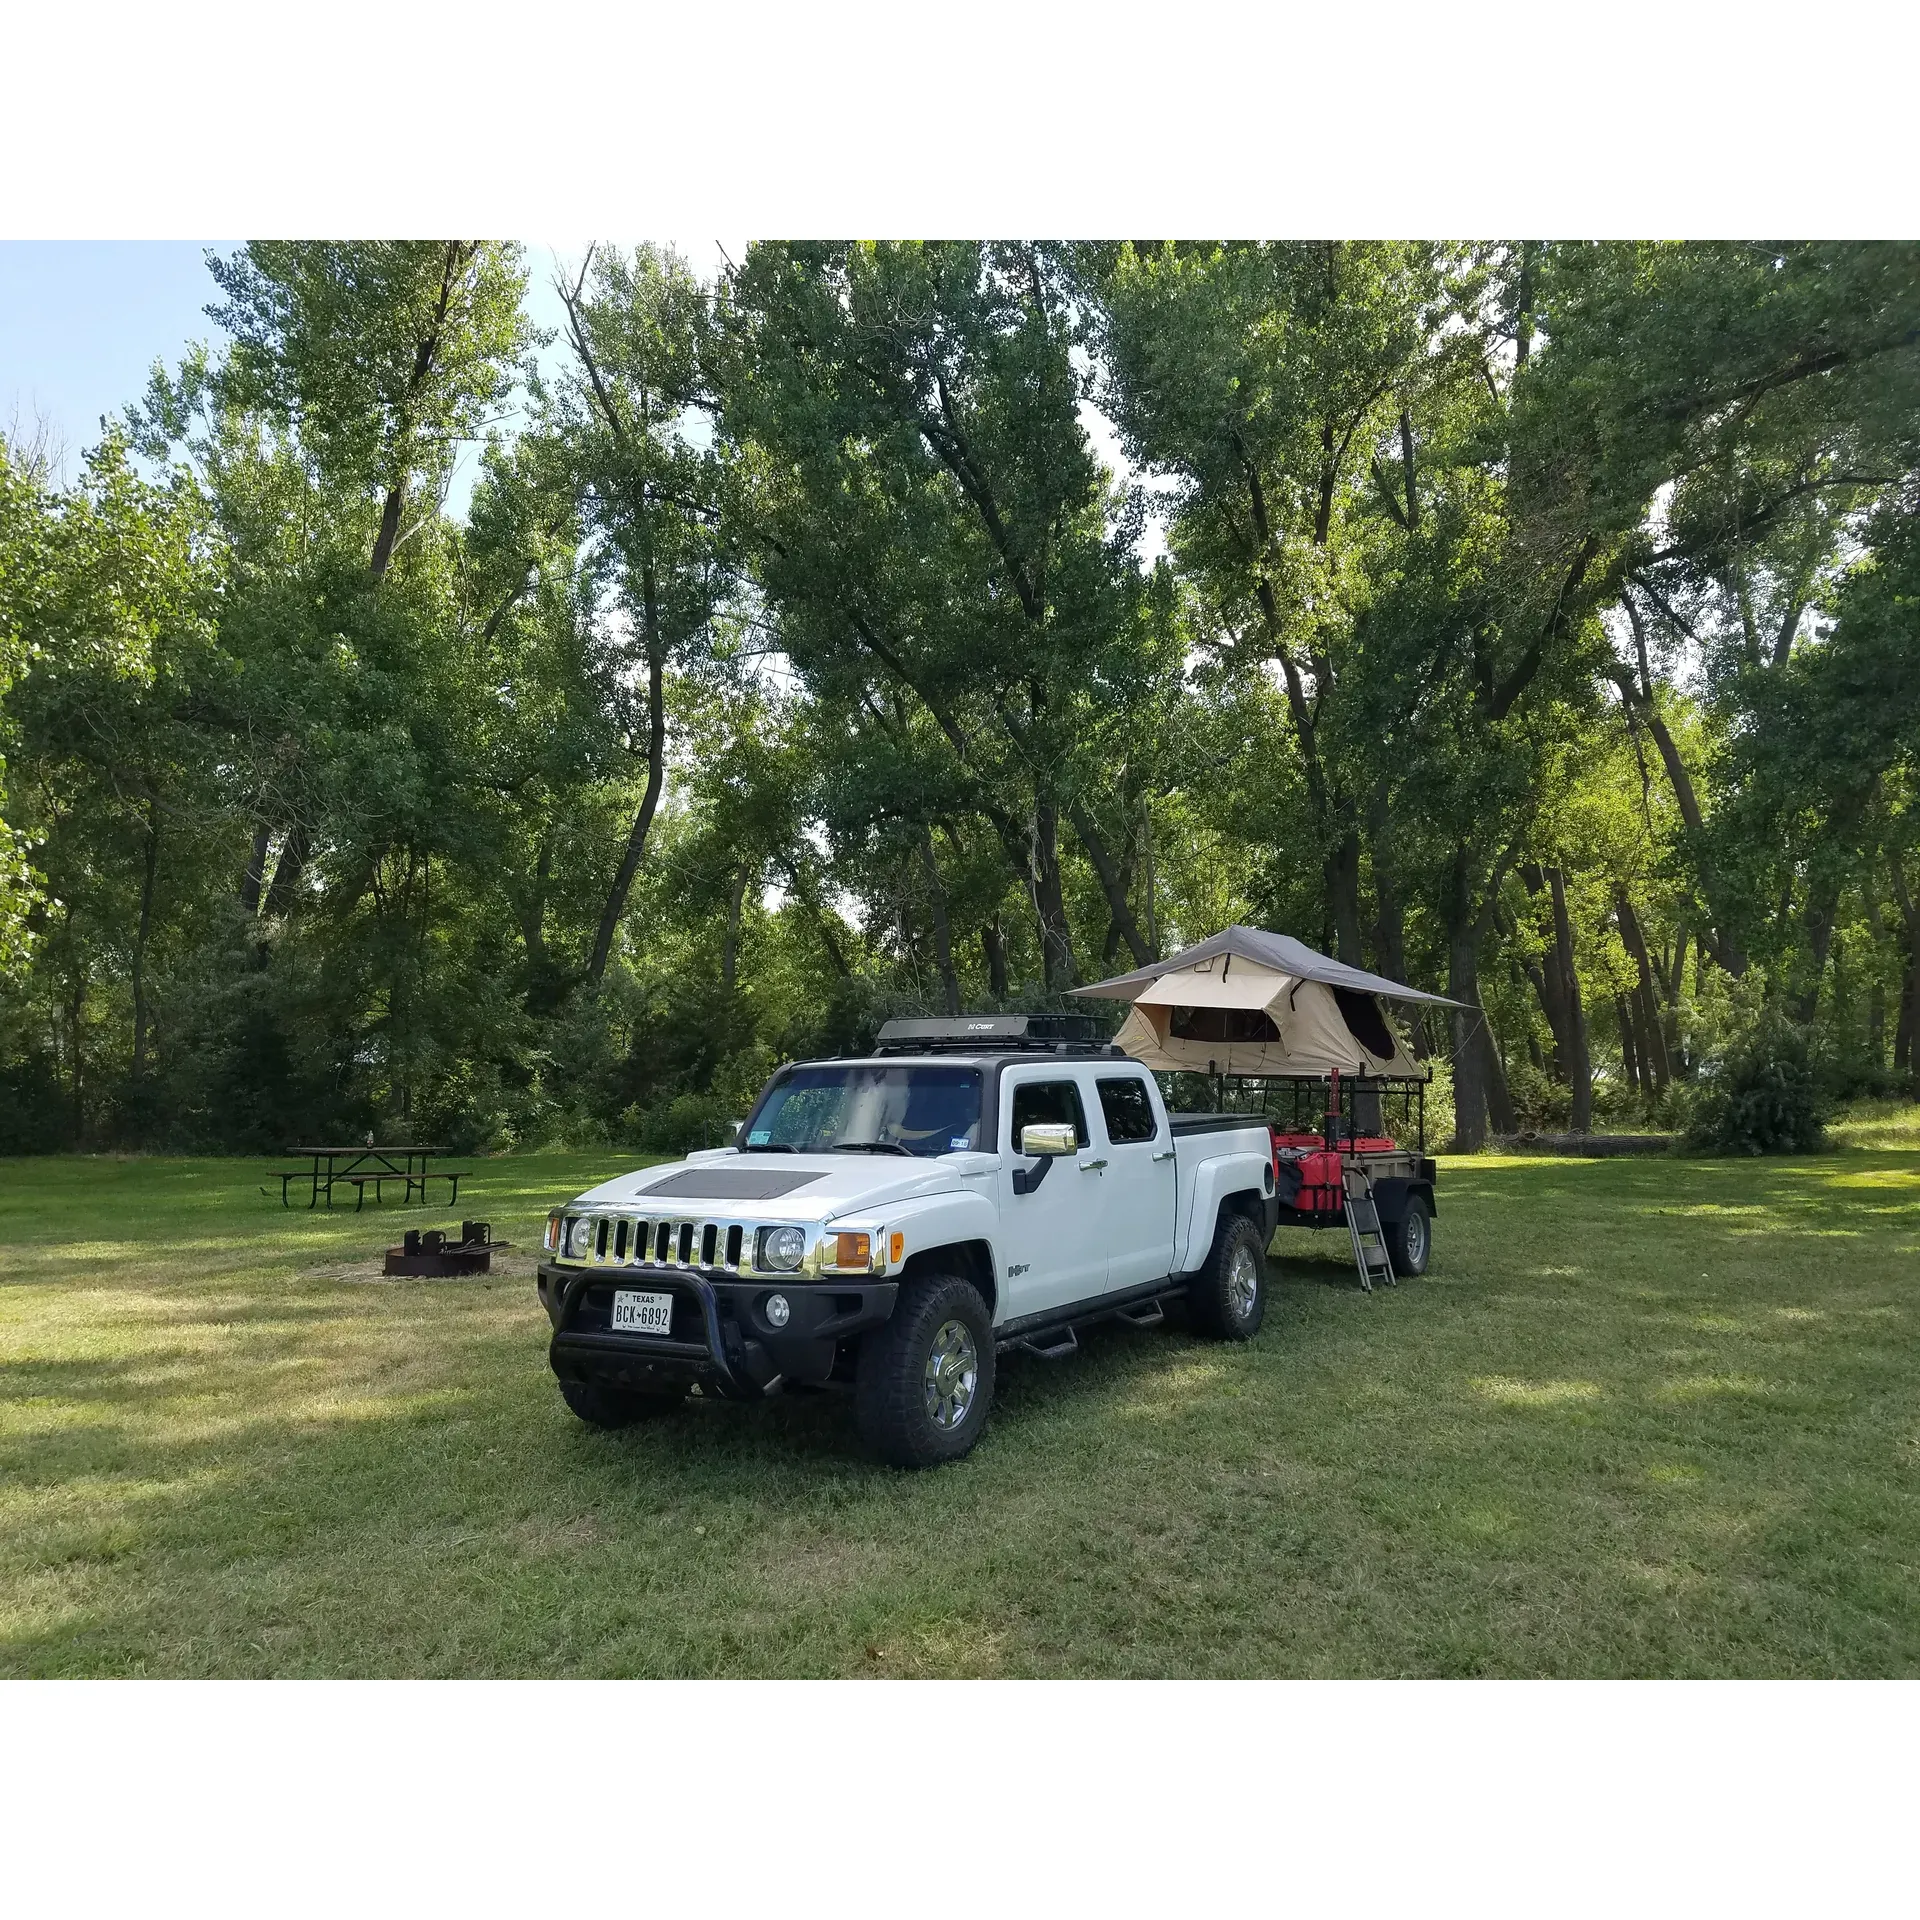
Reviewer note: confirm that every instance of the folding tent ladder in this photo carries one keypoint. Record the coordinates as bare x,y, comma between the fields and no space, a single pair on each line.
1363,1225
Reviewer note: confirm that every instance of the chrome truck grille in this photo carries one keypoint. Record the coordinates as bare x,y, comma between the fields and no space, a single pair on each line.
642,1240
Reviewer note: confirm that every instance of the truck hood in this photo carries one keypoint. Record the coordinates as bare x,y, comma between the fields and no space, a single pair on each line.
797,1187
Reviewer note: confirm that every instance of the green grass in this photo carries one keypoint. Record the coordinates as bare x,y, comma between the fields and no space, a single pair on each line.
1642,1417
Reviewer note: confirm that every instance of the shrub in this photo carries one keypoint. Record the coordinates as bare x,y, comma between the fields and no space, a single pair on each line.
684,1123
1762,1096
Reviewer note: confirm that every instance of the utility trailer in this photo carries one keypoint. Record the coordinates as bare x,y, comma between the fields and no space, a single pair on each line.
1303,1042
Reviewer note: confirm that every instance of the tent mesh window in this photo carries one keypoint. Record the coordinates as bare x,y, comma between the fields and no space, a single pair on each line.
1224,1025
1361,1012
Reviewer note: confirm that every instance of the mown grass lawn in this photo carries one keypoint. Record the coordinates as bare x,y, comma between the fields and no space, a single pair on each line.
1640,1418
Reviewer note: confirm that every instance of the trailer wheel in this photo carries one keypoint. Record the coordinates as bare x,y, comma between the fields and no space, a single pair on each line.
1228,1295
601,1406
925,1380
1410,1238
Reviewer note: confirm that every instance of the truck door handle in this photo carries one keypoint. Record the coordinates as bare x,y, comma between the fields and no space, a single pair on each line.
1091,1166
1168,1155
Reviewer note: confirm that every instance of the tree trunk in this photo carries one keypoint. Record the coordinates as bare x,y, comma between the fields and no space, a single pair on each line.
76,1016
1652,1040
994,944
545,986
1549,983
1479,1082
1056,938
143,928
805,893
1823,902
1580,1066
1343,898
1113,883
389,535
1499,1095
1389,916
426,353
1629,1045
1903,1031
650,800
1638,694
730,943
1469,1056
256,873
942,932
286,876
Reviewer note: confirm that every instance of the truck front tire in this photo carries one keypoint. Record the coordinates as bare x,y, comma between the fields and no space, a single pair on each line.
1228,1295
924,1381
602,1406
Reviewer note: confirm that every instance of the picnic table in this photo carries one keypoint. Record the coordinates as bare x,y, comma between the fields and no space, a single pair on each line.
363,1167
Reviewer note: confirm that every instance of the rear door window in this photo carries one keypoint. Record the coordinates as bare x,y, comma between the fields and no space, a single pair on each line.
1128,1111
1048,1103
1129,1114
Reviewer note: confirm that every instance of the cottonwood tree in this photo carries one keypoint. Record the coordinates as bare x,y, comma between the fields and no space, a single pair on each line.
634,408
1265,380
928,519
1747,416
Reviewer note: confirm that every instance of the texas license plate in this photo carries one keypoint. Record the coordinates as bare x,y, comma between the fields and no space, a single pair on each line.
643,1313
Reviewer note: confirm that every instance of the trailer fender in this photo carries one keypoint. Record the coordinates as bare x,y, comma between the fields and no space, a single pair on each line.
1390,1196
1214,1181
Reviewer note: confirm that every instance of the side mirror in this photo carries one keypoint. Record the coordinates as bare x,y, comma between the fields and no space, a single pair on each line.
1050,1139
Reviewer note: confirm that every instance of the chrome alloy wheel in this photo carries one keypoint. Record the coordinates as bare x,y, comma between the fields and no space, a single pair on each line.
1243,1283
952,1376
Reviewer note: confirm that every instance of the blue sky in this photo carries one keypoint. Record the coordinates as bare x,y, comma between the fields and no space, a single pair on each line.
82,322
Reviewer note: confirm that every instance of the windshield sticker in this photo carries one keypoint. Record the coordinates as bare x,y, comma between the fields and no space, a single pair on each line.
759,1136
958,1144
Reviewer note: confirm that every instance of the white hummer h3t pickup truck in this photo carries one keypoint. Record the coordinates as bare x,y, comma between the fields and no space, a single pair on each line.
889,1223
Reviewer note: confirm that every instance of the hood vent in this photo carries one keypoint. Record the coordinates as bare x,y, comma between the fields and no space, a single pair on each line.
728,1183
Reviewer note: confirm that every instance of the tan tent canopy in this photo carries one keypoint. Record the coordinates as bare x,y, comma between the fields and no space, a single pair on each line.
1261,1004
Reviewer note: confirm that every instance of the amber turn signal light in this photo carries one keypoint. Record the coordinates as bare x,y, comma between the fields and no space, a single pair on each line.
851,1249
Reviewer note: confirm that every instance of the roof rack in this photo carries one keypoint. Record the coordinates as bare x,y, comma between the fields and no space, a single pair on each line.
996,1033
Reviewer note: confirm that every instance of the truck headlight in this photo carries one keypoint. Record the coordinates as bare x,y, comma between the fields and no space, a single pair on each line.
579,1236
781,1249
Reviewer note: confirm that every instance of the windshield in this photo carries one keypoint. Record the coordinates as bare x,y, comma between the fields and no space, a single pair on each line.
869,1109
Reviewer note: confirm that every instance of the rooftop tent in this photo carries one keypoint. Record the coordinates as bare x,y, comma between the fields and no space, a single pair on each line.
1261,1004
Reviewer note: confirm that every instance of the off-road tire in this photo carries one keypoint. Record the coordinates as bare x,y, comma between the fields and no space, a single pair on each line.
897,1369
601,1406
1410,1239
1217,1294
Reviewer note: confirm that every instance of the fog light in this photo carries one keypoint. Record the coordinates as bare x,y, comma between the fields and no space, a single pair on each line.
778,1311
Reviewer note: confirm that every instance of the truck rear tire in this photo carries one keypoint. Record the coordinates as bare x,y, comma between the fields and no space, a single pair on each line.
1410,1238
1228,1295
924,1381
602,1406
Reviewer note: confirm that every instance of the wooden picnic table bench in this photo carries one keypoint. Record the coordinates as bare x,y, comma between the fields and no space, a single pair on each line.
359,1167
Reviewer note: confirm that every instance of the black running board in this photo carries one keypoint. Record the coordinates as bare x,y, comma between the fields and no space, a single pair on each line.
1052,1335
1066,1342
